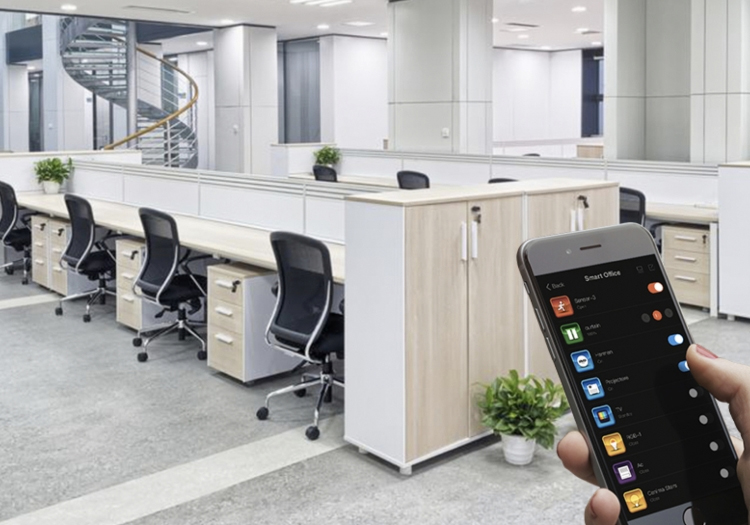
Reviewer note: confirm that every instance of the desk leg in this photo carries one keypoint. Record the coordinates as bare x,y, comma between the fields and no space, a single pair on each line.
714,269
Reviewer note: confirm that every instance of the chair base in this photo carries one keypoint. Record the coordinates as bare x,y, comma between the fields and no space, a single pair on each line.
24,262
183,327
326,378
99,293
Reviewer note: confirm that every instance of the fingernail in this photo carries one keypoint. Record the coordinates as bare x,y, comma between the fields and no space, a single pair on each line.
705,352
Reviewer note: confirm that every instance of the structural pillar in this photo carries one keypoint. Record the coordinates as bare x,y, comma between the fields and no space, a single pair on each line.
247,114
440,75
132,78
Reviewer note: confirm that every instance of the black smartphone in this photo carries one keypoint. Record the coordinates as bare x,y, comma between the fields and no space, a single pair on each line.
618,339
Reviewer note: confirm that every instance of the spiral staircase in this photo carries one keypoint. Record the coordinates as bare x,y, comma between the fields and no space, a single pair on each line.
94,54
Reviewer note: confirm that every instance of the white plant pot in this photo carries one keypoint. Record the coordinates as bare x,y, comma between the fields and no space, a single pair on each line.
518,450
50,187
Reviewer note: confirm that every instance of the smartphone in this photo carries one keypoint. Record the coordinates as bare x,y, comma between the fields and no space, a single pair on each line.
618,340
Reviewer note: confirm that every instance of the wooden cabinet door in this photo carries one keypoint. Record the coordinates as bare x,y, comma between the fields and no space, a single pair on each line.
495,296
436,328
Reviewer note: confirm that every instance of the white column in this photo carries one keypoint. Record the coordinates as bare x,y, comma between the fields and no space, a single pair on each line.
247,114
720,81
14,93
132,78
440,75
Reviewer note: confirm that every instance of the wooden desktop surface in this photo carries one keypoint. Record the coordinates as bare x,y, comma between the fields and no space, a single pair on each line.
682,213
232,241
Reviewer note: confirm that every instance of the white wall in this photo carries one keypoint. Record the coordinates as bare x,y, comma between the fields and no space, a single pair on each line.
536,95
200,66
18,108
354,91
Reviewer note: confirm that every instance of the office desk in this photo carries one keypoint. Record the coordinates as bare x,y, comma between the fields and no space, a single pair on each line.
231,241
378,182
703,216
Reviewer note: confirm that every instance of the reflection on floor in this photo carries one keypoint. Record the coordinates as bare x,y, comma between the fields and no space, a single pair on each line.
90,436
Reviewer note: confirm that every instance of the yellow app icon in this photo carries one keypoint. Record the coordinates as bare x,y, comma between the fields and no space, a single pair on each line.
614,444
635,501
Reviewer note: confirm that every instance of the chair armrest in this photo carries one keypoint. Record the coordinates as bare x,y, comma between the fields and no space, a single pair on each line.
186,261
26,218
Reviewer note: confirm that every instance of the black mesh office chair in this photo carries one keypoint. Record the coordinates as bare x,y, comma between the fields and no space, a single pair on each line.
87,256
499,180
15,231
412,180
632,206
325,173
302,324
166,280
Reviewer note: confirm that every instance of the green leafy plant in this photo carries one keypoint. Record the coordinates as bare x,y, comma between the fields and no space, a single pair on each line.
53,170
525,407
328,156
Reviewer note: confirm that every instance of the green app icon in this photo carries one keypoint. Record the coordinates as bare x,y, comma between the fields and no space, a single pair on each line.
572,333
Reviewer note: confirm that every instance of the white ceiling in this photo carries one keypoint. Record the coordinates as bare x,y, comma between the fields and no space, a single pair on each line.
557,22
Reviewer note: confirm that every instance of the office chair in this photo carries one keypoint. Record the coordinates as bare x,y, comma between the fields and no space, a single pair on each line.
531,155
15,231
632,206
87,256
412,180
166,280
500,179
325,173
302,324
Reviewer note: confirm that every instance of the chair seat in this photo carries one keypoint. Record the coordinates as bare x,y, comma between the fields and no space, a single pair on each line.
331,340
182,289
18,239
96,264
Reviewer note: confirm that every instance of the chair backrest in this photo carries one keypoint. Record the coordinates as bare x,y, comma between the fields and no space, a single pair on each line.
325,173
498,180
9,215
162,252
82,230
632,206
412,180
531,155
305,288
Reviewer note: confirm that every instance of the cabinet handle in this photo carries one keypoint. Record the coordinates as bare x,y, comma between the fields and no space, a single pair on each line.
128,276
686,238
57,269
224,339
464,243
687,279
40,262
40,227
128,298
685,259
133,254
226,312
39,244
60,231
228,285
474,240
56,250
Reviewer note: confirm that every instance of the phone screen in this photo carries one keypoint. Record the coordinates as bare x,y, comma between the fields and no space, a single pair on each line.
658,436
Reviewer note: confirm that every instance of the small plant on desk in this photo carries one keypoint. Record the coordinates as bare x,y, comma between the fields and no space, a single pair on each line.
523,412
52,173
328,156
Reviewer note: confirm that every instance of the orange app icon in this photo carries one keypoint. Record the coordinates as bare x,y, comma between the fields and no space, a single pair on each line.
656,288
613,444
635,500
561,306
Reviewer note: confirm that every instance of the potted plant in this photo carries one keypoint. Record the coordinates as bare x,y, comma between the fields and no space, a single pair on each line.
52,172
328,156
523,412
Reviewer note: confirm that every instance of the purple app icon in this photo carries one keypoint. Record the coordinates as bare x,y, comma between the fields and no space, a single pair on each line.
624,471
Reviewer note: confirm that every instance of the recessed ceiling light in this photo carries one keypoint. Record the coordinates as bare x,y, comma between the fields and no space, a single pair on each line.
579,9
201,43
523,36
335,2
324,26
596,44
384,34
495,20
31,68
582,30
546,48
226,22
358,24
68,7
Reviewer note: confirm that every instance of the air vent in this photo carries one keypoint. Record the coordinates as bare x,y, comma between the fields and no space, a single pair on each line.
158,9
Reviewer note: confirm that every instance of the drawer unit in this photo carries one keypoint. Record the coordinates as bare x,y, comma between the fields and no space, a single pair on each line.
39,250
49,238
686,253
240,304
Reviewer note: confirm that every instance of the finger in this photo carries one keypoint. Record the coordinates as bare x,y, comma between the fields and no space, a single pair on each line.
727,381
574,453
603,509
739,446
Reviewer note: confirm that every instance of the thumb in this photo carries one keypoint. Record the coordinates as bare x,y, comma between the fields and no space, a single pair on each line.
727,381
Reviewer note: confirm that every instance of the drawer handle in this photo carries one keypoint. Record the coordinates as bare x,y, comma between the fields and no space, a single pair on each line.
128,276
227,285
224,339
39,244
685,259
56,250
40,262
133,254
226,312
60,231
40,227
128,298
685,238
687,279
57,269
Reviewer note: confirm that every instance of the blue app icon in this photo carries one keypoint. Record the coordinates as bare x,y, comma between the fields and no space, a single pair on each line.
683,366
592,388
675,339
582,361
603,416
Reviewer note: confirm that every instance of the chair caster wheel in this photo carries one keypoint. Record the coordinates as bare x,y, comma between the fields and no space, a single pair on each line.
142,357
202,355
86,318
58,311
137,342
312,433
301,393
24,281
9,270
262,413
